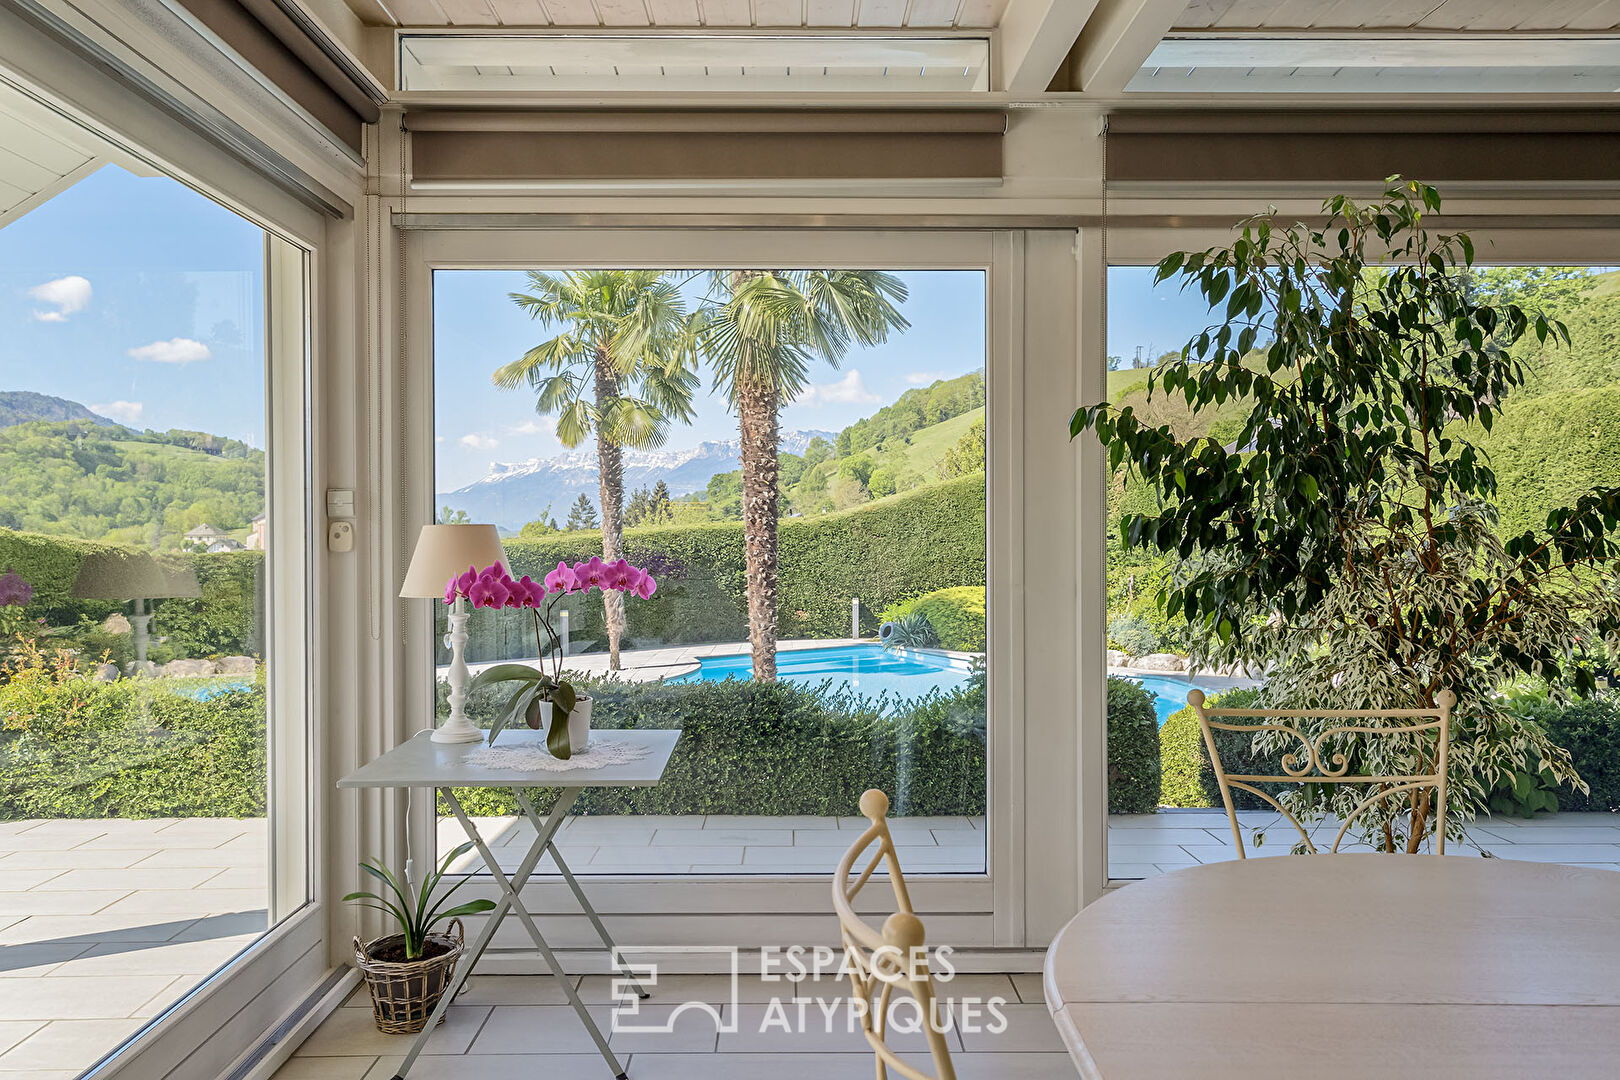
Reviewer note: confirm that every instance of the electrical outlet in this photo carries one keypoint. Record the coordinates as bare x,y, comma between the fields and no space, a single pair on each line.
340,536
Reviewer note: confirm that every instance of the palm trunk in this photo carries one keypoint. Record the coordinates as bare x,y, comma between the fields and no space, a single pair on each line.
757,417
610,480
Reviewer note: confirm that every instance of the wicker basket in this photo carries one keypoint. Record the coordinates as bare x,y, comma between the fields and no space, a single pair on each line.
404,995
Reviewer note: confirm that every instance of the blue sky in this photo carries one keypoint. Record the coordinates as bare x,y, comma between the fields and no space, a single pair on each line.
477,329
141,297
1159,318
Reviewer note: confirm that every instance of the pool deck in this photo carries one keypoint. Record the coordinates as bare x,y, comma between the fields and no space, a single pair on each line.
649,665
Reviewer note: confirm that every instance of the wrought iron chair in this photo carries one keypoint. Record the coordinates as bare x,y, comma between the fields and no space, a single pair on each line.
880,960
1316,763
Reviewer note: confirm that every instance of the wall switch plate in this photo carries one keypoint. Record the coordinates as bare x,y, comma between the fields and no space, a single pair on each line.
340,536
340,502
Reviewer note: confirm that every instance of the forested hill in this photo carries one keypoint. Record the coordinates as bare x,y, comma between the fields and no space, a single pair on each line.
914,410
99,482
24,406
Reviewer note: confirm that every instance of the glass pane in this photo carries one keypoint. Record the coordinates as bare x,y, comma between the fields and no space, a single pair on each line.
879,569
132,608
1552,442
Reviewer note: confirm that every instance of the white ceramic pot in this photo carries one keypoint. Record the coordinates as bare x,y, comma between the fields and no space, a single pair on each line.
579,723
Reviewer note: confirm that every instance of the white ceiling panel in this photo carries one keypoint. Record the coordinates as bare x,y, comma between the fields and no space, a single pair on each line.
726,13
1459,15
830,12
778,13
468,12
43,154
572,12
520,12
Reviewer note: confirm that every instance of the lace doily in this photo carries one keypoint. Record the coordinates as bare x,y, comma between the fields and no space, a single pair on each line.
534,757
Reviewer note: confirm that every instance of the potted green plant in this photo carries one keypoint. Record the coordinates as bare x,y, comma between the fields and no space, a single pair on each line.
407,972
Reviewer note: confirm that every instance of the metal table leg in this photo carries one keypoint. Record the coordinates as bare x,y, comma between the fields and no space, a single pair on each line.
579,895
511,902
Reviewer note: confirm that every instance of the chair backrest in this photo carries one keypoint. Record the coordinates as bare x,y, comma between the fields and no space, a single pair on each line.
880,960
1316,762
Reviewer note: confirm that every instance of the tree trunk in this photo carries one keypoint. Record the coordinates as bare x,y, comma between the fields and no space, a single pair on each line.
757,417
610,480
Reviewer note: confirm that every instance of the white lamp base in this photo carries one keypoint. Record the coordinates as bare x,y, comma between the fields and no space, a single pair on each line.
458,731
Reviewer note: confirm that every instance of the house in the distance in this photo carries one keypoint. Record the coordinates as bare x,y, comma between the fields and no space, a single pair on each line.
207,538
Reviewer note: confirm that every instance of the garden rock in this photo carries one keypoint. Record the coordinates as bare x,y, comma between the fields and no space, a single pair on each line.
1116,658
180,669
236,665
106,673
115,624
1161,661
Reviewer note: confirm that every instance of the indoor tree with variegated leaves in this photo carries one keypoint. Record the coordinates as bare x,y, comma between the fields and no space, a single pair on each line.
1347,542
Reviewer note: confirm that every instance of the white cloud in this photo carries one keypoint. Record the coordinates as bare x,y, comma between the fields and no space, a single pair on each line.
66,296
174,351
125,412
850,390
547,426
475,441
924,378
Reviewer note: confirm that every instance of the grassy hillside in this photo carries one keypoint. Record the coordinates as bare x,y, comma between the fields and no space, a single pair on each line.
93,482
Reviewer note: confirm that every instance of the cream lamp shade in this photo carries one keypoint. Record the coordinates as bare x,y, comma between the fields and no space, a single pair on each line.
132,575
443,551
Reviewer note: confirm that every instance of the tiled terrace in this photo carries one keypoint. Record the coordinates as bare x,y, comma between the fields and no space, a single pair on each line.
105,923
1140,845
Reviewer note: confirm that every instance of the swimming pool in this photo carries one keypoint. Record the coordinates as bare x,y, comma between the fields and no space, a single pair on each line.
869,670
872,670
1169,693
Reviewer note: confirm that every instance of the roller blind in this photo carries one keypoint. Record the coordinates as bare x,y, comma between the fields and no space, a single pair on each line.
264,35
1484,145
450,146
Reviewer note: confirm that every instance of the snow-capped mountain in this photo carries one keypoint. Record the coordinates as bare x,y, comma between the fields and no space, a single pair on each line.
513,493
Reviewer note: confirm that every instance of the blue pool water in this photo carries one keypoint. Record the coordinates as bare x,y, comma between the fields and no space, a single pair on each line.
869,670
205,691
1169,693
872,670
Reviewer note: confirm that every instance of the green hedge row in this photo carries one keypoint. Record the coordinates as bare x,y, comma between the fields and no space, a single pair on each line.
928,539
781,749
71,747
1133,748
227,620
1188,779
956,615
1590,731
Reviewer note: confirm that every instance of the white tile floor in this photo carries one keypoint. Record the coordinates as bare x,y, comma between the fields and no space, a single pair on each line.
517,1026
105,923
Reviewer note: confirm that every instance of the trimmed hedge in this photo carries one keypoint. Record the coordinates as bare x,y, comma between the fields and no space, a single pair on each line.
1187,778
780,749
956,615
917,542
72,747
1133,748
1590,731
227,620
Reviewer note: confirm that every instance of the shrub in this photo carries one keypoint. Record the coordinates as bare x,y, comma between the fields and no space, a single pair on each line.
1590,730
1132,634
781,749
1133,748
74,747
1187,777
956,615
911,631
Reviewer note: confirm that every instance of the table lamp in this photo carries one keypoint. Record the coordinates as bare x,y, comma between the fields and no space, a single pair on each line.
442,552
136,576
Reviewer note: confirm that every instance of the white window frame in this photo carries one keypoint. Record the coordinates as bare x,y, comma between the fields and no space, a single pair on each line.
1032,883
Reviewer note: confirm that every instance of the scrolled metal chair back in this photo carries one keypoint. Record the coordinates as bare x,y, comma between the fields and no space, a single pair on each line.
880,960
1315,762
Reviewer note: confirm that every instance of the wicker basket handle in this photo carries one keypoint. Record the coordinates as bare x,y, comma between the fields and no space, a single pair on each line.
459,930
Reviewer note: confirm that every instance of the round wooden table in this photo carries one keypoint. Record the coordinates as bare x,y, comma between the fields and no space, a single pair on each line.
1316,967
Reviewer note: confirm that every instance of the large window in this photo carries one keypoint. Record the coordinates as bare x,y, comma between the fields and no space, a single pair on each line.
147,750
860,397
1553,441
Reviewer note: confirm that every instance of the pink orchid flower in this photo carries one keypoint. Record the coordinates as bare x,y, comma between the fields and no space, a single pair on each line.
561,580
589,574
647,587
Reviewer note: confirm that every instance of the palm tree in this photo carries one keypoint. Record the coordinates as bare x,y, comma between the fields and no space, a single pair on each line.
761,332
622,366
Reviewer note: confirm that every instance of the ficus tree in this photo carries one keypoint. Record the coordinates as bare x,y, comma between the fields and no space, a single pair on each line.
1346,542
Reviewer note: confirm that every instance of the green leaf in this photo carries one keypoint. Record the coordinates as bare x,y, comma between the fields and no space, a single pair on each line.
506,673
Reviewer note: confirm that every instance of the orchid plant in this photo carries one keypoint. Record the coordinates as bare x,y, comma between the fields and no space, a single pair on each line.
493,587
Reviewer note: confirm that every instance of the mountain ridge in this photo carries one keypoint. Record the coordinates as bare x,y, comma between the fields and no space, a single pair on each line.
26,406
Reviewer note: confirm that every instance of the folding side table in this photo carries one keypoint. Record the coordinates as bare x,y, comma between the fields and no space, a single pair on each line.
423,763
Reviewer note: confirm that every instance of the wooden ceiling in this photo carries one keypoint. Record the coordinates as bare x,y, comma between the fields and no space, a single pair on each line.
1424,15
685,14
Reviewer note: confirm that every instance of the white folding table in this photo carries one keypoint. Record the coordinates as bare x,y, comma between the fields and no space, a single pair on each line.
423,763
